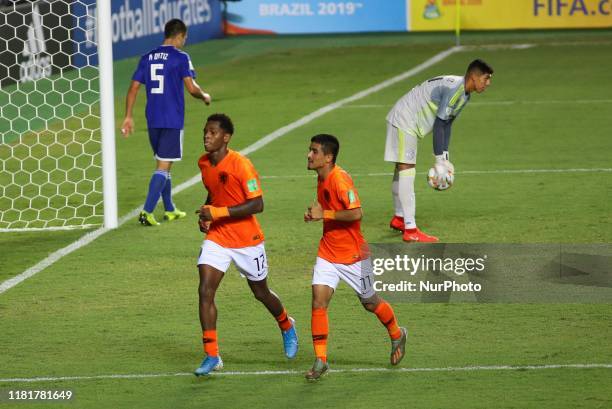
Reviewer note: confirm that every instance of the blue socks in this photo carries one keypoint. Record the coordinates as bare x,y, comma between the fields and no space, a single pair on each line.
167,195
156,185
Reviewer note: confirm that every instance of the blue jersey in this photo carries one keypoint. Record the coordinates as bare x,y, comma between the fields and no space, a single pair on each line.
162,71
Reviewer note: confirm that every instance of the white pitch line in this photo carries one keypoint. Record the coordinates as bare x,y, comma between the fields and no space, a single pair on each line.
525,102
490,47
89,237
296,372
511,171
545,102
464,172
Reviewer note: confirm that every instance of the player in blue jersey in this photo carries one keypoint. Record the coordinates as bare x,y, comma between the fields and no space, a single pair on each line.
164,71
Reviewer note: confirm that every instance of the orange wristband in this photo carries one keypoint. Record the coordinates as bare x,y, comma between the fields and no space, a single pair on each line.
218,212
329,214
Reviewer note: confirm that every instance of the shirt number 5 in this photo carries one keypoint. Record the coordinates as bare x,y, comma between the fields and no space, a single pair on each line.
157,77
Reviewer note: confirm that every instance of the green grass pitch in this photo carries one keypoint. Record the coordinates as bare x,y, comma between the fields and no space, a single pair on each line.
126,304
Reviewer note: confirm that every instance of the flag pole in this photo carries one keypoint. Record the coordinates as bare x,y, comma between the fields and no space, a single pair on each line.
458,22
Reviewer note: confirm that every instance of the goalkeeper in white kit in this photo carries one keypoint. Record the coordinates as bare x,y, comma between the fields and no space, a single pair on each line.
430,106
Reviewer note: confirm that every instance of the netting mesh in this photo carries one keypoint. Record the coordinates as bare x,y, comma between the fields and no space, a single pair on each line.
50,144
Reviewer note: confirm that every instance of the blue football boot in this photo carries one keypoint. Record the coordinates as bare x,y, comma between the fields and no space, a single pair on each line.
209,364
290,340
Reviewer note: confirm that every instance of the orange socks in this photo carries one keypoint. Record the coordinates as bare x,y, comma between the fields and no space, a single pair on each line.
209,338
320,330
283,321
385,315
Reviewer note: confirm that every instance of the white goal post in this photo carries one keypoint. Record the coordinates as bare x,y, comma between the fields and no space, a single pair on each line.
57,129
107,114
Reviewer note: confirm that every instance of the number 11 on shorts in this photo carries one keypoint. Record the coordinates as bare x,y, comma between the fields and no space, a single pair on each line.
366,284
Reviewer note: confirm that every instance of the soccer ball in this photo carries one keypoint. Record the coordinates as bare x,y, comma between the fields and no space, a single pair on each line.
441,176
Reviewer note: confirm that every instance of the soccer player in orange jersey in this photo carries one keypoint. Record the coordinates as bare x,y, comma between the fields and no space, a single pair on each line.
233,234
343,252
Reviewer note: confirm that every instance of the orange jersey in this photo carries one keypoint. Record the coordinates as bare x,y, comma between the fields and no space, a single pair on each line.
231,182
342,242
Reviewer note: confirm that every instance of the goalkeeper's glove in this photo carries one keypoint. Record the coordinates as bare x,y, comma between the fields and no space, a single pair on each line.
443,160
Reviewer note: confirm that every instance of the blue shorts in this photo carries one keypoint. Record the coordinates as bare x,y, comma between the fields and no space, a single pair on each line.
167,143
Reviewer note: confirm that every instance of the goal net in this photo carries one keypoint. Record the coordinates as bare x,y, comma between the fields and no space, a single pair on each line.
50,128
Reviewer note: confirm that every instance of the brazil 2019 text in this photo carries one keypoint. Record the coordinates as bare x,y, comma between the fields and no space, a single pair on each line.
296,9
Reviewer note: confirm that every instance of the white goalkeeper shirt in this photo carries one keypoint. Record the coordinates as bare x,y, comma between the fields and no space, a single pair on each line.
415,112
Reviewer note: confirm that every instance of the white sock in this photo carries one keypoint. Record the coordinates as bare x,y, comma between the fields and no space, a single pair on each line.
395,193
406,197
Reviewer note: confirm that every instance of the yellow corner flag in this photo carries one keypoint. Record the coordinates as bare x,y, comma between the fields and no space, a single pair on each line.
458,22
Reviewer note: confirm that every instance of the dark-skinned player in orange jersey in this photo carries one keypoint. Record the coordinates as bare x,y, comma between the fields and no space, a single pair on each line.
233,235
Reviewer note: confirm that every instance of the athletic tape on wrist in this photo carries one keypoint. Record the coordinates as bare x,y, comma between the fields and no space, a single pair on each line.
218,212
329,214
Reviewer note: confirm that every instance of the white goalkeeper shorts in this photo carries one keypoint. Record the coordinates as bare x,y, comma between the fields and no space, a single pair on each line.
251,262
400,147
357,275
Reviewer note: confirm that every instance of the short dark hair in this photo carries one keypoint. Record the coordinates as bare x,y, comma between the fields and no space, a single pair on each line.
174,27
329,143
479,66
225,122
